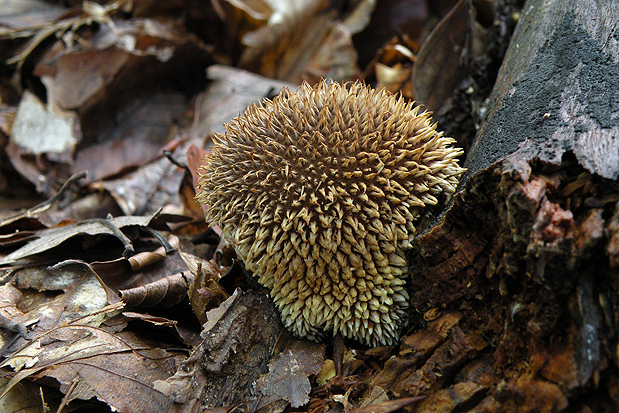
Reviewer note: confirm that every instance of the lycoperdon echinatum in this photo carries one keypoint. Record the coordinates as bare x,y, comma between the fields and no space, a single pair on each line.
319,191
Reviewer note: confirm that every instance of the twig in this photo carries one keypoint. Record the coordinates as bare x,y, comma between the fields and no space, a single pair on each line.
65,399
129,250
169,249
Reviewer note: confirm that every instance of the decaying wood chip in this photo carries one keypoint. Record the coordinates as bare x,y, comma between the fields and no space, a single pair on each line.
239,338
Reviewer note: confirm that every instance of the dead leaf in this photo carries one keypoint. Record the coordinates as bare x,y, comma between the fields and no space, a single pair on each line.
9,240
230,92
195,159
25,398
280,44
335,59
146,258
36,131
205,292
162,293
52,237
402,17
388,406
445,57
102,86
9,314
392,66
84,300
21,18
289,372
66,341
118,369
147,189
158,321
137,136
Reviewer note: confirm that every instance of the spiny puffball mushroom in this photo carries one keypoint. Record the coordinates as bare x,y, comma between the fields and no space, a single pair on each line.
319,191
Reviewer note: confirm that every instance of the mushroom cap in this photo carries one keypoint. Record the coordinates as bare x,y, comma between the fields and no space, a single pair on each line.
320,192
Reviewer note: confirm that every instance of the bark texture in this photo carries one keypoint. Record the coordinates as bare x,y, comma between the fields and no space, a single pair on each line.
528,253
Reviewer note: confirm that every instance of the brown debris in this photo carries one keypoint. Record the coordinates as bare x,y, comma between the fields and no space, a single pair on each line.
442,364
239,339
162,293
452,398
513,291
289,371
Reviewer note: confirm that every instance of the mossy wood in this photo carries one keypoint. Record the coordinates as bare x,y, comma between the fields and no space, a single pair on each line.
528,252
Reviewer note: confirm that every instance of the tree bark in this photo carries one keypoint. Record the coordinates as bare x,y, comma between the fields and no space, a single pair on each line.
528,252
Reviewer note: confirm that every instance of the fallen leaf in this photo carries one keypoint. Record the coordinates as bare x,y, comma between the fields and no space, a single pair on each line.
21,18
388,406
25,398
205,293
136,137
280,44
289,372
445,57
52,237
118,369
229,94
391,17
101,79
37,130
162,293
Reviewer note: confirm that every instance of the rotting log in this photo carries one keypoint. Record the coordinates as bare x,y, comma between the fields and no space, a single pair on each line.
528,252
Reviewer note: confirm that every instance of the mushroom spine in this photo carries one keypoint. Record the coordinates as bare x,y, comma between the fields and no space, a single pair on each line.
320,191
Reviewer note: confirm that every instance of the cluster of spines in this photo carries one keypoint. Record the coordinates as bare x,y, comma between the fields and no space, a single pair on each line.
319,192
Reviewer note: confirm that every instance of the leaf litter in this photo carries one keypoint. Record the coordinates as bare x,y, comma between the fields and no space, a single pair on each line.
113,286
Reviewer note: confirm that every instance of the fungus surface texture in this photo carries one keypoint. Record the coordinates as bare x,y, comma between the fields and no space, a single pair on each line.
320,192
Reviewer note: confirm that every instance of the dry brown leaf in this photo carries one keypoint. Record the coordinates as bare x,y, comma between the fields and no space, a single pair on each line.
66,340
230,92
9,313
118,369
205,293
25,398
403,17
84,300
162,293
445,57
104,93
137,136
392,66
53,237
187,190
21,18
158,321
335,59
388,406
146,258
147,189
36,131
289,372
188,336
286,39
9,240
279,45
